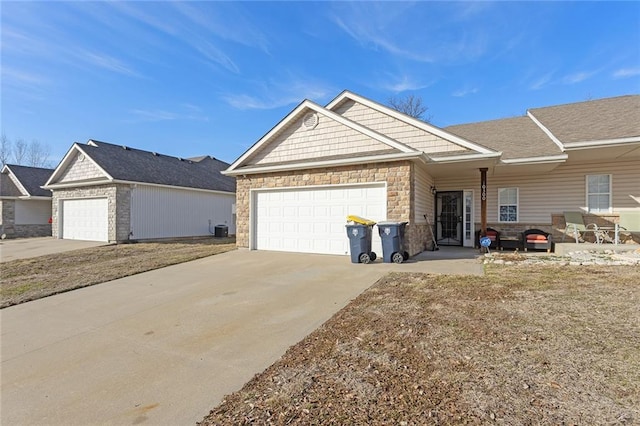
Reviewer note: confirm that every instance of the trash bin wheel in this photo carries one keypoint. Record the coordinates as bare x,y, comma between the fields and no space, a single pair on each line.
397,257
405,255
364,258
373,256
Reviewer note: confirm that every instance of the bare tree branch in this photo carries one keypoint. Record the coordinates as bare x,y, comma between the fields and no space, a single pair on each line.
5,149
38,154
20,148
410,105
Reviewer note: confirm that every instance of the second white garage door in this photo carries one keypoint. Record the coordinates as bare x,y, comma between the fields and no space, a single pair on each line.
85,219
313,220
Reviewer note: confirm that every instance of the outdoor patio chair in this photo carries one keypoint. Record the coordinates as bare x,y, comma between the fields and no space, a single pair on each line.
536,239
577,229
494,236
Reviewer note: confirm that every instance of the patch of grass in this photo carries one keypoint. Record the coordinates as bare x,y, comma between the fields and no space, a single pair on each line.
29,279
522,345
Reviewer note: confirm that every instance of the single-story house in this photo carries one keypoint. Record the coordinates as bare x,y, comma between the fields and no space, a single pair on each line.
297,184
114,193
26,207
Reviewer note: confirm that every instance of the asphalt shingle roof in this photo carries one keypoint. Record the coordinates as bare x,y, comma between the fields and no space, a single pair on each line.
135,165
602,119
517,137
31,178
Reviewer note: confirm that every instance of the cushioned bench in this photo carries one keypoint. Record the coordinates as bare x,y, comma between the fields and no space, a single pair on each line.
536,239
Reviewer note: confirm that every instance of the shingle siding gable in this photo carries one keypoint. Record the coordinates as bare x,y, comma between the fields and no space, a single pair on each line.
327,139
395,129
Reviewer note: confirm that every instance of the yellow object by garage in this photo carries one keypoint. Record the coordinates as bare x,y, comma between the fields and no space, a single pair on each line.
360,220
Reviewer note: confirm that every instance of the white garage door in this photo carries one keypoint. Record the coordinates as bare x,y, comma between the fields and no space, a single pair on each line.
85,219
313,220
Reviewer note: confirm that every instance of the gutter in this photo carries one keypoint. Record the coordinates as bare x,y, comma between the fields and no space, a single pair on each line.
326,163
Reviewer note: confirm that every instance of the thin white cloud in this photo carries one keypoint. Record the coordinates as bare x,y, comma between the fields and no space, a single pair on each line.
108,63
214,54
402,83
163,115
578,77
227,20
271,95
541,81
460,93
22,78
368,36
626,72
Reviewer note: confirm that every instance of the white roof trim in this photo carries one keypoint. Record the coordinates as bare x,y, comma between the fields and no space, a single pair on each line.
126,182
15,180
547,159
329,114
605,142
409,120
546,131
462,158
325,163
67,159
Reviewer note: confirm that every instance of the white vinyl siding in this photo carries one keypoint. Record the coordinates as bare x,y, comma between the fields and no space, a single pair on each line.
32,212
423,196
158,212
312,220
599,193
556,191
507,204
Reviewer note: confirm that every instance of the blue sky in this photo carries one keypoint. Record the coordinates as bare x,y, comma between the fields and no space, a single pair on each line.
192,78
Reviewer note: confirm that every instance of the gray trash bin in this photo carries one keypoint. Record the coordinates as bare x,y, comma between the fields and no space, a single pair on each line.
392,236
360,243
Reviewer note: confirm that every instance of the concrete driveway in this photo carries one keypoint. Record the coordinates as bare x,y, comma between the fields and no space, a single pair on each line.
23,248
164,347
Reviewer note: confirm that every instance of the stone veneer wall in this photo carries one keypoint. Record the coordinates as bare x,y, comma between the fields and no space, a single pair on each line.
9,228
8,219
398,176
119,206
29,231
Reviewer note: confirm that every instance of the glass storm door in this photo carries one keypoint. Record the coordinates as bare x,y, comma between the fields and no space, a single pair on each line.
450,217
468,222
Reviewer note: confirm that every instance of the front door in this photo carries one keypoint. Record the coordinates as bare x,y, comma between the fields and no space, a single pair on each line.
449,216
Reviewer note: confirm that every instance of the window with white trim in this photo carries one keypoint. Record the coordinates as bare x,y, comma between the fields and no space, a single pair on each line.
507,204
599,193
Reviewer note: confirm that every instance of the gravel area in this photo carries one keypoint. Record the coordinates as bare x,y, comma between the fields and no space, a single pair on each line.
574,258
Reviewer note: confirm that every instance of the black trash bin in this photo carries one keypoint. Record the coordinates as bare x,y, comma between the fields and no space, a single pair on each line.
392,236
221,231
360,243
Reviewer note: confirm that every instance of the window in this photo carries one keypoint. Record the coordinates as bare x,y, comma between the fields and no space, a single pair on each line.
598,193
507,204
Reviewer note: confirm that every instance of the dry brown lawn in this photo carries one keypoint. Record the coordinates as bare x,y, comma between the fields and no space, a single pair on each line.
522,345
29,279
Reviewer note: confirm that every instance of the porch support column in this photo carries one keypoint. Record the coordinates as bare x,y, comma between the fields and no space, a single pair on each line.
483,201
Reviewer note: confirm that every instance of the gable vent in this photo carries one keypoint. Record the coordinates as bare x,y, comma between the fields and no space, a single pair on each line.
310,120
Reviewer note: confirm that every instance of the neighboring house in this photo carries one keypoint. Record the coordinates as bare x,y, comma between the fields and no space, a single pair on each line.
26,208
107,192
297,184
